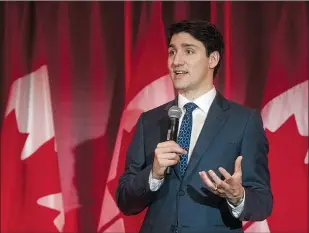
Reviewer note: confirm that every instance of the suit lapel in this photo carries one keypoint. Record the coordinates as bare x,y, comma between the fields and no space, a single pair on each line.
214,122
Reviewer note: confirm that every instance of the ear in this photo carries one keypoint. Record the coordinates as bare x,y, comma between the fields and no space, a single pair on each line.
214,58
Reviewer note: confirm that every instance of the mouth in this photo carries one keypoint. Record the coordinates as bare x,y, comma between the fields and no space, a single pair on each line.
179,73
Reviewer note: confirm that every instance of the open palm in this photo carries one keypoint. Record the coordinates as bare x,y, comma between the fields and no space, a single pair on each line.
231,187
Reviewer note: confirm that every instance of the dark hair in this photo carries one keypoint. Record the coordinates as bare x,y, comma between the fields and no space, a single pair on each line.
203,31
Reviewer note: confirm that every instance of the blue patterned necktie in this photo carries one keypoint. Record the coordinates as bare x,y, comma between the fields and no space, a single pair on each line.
184,136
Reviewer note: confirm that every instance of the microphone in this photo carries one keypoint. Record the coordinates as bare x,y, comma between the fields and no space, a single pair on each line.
174,114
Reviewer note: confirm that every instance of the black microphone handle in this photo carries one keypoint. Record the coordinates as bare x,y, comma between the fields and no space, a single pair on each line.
173,136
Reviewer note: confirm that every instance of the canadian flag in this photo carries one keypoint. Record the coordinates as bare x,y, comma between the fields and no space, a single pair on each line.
285,118
149,87
31,199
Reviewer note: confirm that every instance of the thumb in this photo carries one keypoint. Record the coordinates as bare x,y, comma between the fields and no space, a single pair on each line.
238,164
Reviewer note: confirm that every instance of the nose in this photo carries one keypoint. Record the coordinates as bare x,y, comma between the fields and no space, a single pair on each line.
177,60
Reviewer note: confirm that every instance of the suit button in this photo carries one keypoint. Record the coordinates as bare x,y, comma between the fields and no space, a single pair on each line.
181,193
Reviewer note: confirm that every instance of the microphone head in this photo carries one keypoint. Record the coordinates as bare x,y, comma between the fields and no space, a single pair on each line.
174,112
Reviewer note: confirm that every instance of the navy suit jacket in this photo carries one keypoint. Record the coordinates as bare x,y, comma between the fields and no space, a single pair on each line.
186,205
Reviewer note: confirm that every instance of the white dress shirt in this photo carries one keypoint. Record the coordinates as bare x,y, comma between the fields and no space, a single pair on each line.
198,118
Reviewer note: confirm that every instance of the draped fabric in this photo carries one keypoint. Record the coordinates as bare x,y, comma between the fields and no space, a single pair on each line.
266,67
85,71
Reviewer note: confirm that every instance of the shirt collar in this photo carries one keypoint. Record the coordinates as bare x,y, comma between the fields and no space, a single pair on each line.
203,102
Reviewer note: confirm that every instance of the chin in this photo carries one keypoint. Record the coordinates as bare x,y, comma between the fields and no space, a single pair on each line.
181,88
180,85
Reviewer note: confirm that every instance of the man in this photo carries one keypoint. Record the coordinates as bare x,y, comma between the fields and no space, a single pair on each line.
219,168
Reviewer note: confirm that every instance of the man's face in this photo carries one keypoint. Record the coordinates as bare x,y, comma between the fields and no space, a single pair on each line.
187,63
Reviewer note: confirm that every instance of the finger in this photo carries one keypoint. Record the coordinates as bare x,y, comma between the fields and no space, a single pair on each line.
224,173
221,192
171,162
169,156
171,144
168,162
207,181
170,149
177,150
220,183
167,144
238,164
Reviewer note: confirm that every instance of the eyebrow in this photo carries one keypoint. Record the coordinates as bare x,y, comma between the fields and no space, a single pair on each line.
184,45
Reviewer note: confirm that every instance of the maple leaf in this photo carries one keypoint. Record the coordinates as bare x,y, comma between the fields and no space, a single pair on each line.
289,178
25,184
12,142
41,180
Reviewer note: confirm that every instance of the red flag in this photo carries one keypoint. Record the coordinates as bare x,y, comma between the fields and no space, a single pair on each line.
285,117
149,87
31,199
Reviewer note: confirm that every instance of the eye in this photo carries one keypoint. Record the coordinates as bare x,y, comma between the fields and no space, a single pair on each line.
189,51
171,52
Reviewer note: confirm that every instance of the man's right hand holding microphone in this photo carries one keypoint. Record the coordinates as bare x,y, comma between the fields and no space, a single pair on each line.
166,155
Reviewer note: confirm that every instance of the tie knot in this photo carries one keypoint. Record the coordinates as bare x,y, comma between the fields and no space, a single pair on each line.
190,107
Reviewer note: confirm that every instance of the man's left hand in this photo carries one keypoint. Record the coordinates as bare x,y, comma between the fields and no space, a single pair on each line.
230,188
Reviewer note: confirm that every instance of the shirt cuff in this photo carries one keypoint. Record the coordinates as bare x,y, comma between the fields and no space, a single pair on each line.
237,210
154,184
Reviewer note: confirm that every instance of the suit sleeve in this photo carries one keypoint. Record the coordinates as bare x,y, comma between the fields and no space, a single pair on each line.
133,193
256,178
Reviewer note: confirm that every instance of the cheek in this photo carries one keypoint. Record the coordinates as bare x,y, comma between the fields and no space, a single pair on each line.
196,69
201,67
169,64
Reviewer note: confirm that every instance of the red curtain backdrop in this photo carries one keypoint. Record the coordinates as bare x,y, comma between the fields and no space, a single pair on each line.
98,65
266,66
